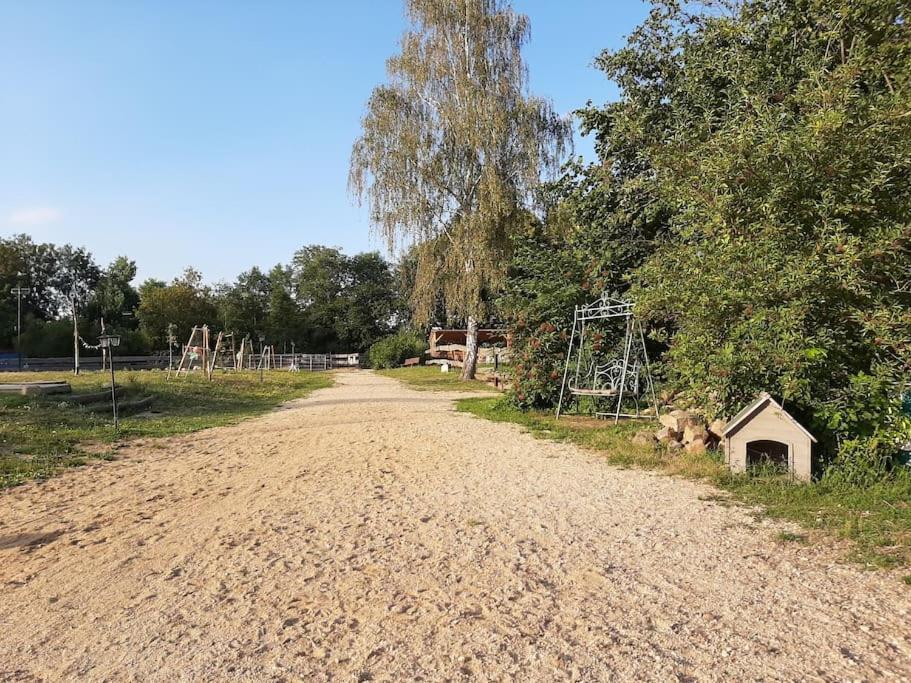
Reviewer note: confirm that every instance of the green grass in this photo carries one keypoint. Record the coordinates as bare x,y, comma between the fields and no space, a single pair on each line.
429,378
39,435
876,520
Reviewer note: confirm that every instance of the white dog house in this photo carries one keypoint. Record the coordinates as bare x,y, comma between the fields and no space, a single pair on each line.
765,432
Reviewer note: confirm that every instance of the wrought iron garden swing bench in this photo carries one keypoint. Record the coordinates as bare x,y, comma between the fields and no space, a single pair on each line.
627,377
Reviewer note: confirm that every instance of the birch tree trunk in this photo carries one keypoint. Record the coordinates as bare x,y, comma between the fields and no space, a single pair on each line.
470,362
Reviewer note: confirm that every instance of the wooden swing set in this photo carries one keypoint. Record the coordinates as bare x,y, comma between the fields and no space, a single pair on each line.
196,353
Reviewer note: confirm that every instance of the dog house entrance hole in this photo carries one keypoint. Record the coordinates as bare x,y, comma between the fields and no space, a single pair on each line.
767,453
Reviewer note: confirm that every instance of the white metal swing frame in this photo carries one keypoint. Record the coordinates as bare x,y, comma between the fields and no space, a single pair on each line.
634,353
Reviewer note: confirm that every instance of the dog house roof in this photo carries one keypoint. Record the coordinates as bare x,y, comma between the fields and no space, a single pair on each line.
762,400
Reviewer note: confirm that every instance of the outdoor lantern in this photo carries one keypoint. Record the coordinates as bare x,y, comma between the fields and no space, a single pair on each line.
109,341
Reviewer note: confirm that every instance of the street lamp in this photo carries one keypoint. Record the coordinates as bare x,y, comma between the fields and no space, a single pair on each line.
109,342
172,340
19,291
262,357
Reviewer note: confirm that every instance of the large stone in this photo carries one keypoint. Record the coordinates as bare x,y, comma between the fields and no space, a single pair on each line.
644,438
674,446
675,420
694,431
696,447
716,428
668,420
694,418
666,434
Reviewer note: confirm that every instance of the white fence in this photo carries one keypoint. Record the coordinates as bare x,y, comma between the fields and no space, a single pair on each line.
306,361
280,361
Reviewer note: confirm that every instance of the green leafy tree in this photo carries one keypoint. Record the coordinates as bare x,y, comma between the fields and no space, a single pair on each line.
284,318
29,265
75,281
320,275
345,303
114,295
245,304
370,300
451,148
775,136
149,285
185,303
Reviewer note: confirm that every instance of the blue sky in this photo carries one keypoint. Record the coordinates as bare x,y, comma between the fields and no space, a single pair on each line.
217,133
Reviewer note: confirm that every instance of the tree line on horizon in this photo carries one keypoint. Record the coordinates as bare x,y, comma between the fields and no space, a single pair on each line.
321,301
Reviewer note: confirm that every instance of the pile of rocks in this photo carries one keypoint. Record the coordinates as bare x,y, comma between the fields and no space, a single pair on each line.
684,430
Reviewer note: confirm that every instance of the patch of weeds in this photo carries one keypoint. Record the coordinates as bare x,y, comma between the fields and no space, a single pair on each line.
718,499
790,537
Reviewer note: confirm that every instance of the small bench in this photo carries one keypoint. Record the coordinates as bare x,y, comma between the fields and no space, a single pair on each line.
412,361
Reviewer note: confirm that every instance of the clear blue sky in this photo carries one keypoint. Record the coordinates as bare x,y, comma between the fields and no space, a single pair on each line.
217,133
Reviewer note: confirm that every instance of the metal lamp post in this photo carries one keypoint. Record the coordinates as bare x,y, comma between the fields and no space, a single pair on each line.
109,342
19,291
172,340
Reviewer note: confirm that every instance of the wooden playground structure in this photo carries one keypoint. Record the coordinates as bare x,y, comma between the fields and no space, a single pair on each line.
228,355
197,354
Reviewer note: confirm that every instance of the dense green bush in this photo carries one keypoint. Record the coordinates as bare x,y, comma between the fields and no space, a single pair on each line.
756,160
51,338
556,266
391,351
788,261
600,227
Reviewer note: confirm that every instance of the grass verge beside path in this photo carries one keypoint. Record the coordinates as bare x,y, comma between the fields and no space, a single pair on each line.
877,520
40,435
429,378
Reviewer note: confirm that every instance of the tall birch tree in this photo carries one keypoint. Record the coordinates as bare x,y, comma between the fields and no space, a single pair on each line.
451,148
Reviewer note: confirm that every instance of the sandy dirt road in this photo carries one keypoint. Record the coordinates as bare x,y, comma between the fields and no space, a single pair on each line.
369,532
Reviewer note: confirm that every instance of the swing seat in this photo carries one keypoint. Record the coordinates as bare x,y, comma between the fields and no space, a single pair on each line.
601,380
615,381
592,392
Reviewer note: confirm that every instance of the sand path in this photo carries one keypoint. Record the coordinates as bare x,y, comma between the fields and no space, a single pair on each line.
369,532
